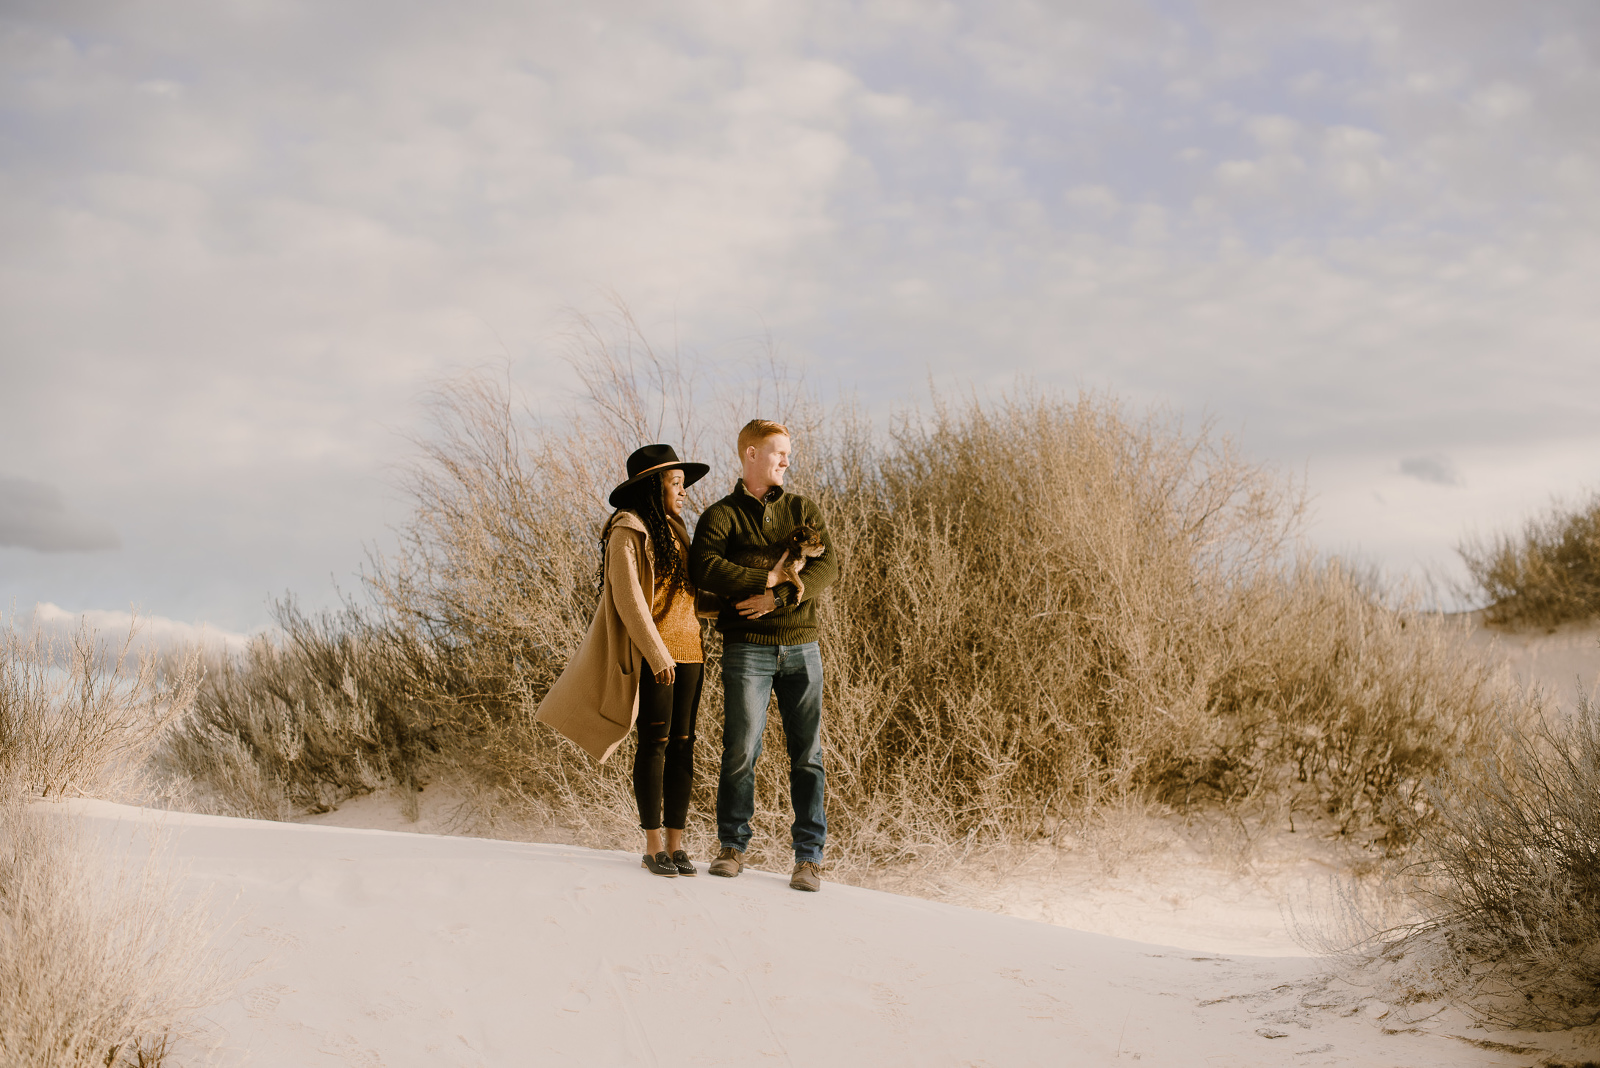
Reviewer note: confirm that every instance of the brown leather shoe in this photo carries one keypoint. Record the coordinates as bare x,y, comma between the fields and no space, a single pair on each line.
807,876
729,862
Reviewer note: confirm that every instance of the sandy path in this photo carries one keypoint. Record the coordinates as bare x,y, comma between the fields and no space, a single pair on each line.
402,949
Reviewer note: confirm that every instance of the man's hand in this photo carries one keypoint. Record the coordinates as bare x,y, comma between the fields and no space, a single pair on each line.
757,606
776,575
667,674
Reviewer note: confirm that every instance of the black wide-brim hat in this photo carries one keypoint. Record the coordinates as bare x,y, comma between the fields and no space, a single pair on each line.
652,458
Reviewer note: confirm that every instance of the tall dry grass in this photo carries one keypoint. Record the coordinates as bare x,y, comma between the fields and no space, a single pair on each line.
1509,874
99,966
1545,574
1048,607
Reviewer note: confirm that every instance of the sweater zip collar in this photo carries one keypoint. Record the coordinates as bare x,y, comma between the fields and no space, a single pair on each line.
773,495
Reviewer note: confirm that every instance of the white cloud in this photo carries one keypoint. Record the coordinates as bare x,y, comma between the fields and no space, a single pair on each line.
1273,132
1416,524
1500,101
139,632
1267,175
235,246
1354,162
1309,82
1098,198
1149,224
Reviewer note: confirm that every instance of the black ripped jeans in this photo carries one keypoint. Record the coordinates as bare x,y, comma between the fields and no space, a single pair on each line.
663,765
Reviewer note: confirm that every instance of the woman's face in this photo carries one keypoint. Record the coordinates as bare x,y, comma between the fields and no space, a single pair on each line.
675,494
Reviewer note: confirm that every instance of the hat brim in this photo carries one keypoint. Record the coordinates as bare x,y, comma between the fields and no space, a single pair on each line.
692,473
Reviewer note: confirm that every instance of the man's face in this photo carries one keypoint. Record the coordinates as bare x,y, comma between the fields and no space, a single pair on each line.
768,461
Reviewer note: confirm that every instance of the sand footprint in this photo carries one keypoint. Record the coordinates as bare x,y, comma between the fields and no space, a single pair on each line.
276,935
391,1006
891,1005
349,1048
263,1001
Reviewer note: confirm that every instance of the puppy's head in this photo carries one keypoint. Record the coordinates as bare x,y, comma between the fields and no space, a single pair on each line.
805,541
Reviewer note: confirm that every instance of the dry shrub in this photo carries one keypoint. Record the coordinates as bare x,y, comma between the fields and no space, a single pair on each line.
77,717
1510,877
1335,698
98,966
1047,609
331,706
1547,574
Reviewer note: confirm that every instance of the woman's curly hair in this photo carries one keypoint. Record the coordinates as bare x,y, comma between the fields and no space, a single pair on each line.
646,499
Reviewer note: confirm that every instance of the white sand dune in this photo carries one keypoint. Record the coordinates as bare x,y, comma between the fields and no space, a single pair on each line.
394,949
1563,660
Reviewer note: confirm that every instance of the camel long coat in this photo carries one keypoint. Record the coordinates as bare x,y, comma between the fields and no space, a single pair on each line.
596,699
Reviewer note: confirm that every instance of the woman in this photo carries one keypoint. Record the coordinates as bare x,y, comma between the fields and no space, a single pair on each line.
641,660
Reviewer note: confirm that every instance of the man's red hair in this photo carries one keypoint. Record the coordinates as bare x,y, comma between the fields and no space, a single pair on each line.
758,430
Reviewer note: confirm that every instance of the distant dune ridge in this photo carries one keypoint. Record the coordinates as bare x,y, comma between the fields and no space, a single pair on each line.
1563,660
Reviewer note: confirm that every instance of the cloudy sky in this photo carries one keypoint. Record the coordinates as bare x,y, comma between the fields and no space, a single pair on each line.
238,241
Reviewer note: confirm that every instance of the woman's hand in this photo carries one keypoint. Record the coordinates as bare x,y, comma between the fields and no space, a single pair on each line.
667,674
776,575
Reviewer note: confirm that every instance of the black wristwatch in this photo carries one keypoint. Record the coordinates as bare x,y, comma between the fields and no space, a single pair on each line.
777,597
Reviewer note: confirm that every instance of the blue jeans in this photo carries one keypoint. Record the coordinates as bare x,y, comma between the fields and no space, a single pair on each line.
750,673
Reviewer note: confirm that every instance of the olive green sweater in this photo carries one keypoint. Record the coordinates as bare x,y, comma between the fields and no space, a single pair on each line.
734,524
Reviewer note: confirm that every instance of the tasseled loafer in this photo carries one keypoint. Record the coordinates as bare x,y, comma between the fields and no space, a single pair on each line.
660,864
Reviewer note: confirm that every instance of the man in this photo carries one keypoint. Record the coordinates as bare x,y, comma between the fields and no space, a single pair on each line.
769,642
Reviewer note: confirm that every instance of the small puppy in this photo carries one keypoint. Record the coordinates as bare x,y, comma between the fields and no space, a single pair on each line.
802,545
